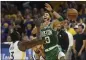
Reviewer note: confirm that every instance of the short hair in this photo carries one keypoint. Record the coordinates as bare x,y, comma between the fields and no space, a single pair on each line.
55,23
81,26
15,36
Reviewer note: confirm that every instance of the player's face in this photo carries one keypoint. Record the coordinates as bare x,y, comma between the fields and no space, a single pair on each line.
46,17
65,24
58,26
80,29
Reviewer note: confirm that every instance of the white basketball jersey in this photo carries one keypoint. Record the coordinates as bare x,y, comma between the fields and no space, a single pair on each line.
15,53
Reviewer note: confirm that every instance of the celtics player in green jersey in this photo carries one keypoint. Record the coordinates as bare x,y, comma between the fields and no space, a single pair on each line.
52,50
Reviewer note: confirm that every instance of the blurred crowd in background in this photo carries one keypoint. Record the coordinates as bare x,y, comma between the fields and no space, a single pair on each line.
12,18
22,17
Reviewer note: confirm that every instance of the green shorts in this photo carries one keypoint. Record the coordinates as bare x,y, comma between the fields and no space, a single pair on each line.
52,54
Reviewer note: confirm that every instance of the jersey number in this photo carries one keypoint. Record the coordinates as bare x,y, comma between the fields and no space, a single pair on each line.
12,55
47,39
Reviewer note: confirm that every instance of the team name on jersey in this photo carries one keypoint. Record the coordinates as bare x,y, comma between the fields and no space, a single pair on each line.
46,33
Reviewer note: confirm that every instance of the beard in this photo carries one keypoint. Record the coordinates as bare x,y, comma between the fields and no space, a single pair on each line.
59,29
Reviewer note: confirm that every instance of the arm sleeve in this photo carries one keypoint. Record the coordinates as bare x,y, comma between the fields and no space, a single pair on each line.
60,19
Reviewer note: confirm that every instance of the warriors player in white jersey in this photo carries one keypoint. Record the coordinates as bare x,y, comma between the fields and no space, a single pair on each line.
17,48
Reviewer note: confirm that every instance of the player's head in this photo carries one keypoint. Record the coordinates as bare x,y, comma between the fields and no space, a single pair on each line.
46,17
66,24
57,25
80,27
15,36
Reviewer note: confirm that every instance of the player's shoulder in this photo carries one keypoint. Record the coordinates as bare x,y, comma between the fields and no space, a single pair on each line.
16,43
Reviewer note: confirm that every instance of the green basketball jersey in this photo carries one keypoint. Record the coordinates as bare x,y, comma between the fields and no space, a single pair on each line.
50,35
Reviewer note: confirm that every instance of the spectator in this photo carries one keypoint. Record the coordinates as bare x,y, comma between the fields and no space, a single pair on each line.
72,31
28,23
4,32
35,12
41,11
62,36
5,27
70,37
7,20
28,12
79,43
64,9
82,14
19,23
85,42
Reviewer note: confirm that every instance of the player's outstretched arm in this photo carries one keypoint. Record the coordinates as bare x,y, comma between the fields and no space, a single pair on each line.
50,9
29,44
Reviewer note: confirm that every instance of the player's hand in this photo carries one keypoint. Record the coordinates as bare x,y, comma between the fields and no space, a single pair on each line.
79,53
48,7
75,52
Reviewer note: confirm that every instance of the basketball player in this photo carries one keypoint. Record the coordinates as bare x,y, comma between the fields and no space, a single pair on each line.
18,48
38,50
51,48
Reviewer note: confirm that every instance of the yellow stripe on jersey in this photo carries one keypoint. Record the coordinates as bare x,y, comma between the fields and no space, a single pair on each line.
23,56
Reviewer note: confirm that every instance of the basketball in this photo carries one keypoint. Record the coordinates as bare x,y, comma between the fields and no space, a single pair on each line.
72,14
